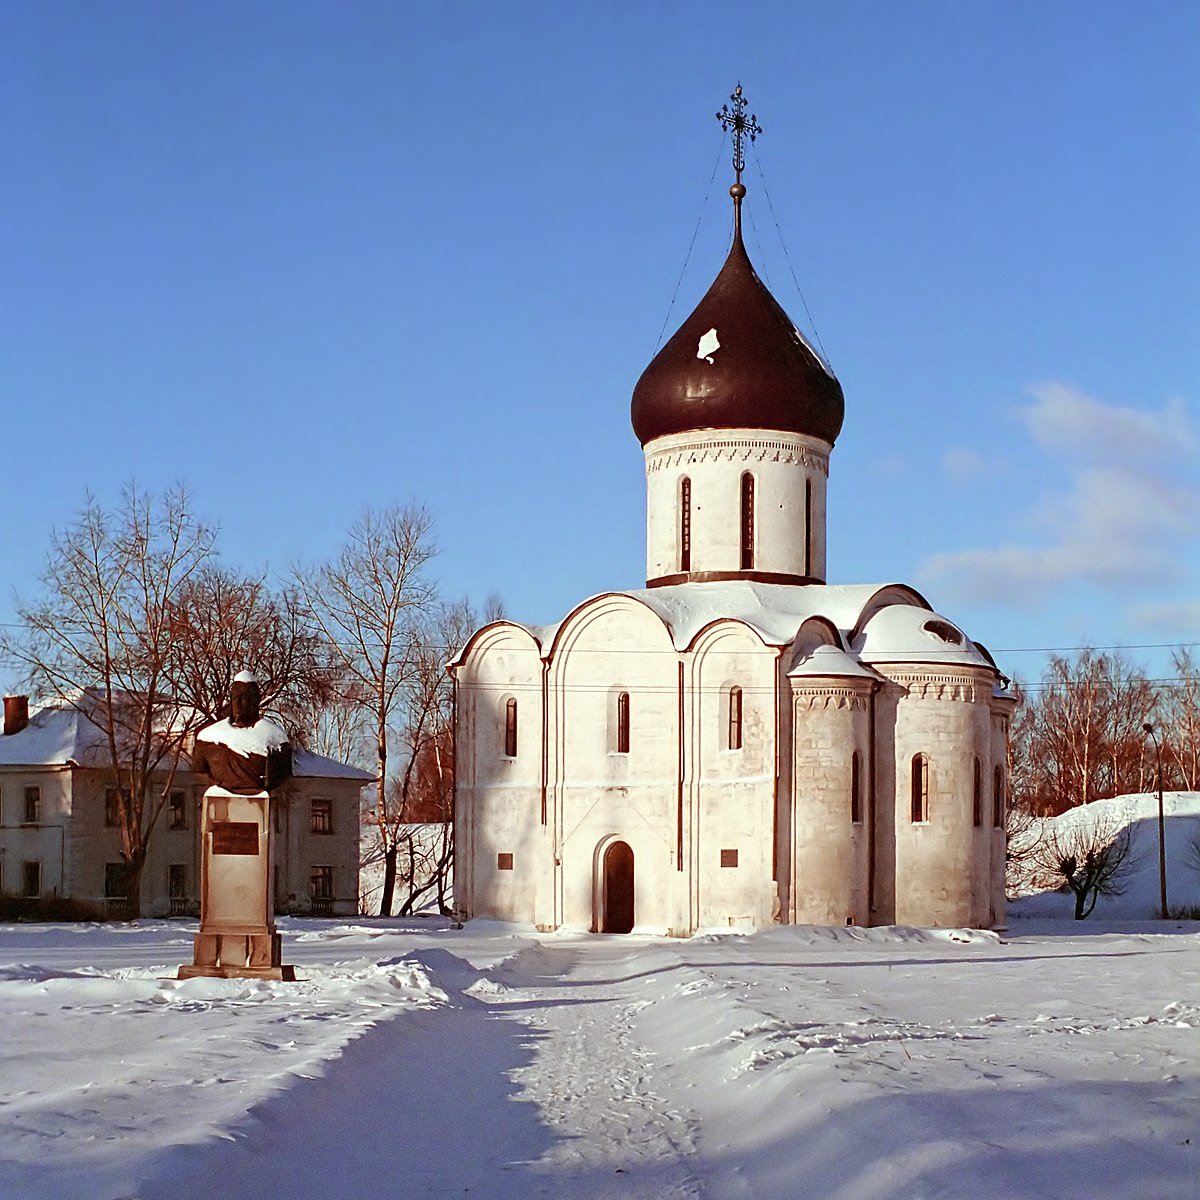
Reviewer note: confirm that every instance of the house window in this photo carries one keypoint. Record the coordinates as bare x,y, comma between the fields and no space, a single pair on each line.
33,807
729,858
31,879
622,739
322,816
177,881
116,881
320,883
998,797
112,807
977,796
856,789
747,538
179,813
920,789
733,732
504,862
685,524
510,727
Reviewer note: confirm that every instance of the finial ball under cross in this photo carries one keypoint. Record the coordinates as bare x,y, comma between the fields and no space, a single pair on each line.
743,127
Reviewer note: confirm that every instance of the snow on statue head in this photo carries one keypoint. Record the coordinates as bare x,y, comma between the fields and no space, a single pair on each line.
246,752
244,698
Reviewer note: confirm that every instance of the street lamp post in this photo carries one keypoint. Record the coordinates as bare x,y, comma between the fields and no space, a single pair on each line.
1162,839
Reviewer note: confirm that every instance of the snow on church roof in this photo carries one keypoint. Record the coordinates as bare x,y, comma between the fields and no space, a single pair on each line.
897,634
826,660
774,611
881,623
876,623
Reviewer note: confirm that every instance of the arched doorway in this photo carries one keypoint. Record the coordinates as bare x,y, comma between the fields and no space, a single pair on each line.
618,889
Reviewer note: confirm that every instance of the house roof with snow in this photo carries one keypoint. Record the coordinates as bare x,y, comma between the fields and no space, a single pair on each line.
61,734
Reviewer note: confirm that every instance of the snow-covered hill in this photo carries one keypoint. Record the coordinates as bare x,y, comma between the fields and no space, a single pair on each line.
1139,898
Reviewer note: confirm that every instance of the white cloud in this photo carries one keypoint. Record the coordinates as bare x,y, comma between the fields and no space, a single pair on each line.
965,466
1169,617
1063,418
1124,513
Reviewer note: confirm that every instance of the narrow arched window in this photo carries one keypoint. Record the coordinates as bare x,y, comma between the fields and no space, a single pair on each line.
920,789
685,524
856,789
808,541
623,723
998,797
733,738
747,521
510,727
977,796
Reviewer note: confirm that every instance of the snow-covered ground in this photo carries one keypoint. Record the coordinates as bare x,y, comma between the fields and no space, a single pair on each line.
416,1060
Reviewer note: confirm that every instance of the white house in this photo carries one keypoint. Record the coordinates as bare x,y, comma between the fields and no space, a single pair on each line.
59,837
739,742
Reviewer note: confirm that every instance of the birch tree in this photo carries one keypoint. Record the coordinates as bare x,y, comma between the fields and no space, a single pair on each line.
99,638
367,604
1084,739
423,791
1180,719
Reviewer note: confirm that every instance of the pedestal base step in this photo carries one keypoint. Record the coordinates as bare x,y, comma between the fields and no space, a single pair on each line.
283,972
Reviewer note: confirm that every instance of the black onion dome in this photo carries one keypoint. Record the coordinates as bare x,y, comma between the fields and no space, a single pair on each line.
761,374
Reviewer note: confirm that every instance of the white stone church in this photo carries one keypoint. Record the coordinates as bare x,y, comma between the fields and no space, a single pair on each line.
739,742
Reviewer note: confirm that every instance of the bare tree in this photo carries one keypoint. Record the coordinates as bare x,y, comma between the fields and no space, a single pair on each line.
99,638
222,622
1083,739
1180,720
1022,845
366,604
423,786
1089,857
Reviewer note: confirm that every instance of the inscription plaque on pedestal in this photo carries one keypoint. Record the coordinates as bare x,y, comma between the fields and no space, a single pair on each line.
235,837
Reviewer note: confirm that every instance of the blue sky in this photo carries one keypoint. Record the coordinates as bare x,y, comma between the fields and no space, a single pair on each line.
311,258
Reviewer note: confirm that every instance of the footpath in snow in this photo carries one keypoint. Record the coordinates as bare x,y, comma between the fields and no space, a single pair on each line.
414,1060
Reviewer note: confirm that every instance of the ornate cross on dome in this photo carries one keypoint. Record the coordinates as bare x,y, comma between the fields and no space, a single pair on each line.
735,119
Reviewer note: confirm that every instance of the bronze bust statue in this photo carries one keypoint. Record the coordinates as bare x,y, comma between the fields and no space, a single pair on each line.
245,752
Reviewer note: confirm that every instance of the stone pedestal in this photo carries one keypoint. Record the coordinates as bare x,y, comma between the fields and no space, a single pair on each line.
237,938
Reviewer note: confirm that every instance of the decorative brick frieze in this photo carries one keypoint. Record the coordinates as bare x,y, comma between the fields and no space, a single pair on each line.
938,687
810,698
738,450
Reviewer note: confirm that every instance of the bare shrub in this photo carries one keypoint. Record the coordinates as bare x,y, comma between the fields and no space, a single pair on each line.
1088,858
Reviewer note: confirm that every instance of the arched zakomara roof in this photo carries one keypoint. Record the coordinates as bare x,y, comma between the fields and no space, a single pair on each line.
886,596
492,633
776,613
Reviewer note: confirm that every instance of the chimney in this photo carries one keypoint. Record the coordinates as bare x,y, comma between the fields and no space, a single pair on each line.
16,714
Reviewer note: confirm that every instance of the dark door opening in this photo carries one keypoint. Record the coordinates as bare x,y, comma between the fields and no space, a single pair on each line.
618,889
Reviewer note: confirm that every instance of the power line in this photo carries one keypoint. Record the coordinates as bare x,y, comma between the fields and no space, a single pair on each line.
688,256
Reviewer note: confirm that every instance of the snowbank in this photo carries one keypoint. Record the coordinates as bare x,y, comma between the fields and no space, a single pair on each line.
1139,899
